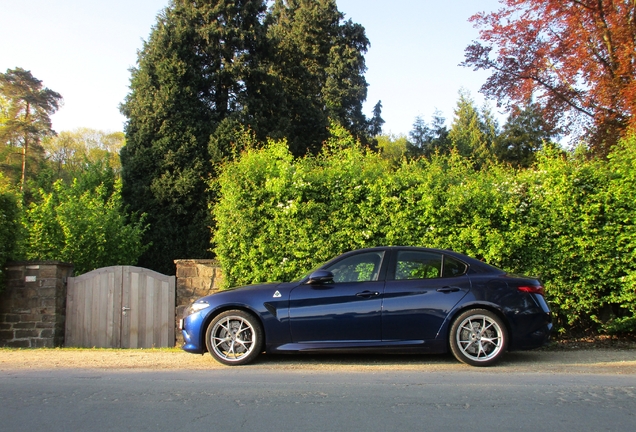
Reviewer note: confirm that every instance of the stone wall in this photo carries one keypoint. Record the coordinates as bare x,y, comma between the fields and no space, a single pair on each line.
33,304
195,278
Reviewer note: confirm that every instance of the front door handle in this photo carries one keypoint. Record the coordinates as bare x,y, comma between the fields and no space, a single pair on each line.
367,294
124,309
448,289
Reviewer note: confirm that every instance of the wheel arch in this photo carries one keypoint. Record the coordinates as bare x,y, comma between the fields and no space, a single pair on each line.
225,308
466,307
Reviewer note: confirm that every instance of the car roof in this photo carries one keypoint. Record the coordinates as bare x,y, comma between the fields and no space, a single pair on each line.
475,264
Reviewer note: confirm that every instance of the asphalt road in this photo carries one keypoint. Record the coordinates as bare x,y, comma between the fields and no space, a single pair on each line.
261,399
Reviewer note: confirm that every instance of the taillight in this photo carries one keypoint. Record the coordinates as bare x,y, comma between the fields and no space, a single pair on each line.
534,289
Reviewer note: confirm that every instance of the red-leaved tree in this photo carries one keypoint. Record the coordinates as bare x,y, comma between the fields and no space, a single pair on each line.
576,59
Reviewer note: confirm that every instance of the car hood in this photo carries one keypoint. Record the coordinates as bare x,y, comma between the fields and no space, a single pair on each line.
254,287
236,292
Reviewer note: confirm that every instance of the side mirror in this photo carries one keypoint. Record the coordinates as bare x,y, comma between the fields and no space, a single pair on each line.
320,277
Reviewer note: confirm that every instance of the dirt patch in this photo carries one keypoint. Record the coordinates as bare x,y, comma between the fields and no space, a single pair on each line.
556,360
594,342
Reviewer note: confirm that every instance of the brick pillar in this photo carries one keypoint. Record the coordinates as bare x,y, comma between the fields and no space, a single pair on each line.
195,278
33,304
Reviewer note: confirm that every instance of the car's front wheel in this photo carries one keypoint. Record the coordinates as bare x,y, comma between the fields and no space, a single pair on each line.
234,337
478,337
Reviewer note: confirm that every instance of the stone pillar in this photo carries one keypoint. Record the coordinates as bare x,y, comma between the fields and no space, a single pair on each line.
195,278
33,304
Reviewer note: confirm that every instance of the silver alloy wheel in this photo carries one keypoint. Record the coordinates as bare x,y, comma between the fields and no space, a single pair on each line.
479,338
233,338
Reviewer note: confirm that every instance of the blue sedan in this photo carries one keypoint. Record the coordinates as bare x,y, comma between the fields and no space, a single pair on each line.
379,299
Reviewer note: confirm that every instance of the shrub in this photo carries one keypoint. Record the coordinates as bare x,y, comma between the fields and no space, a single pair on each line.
9,224
569,220
83,226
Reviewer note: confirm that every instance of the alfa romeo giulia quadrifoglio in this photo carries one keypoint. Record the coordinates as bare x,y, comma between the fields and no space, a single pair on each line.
395,299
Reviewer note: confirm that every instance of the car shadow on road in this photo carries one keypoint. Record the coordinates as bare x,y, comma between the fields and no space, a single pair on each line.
374,359
405,361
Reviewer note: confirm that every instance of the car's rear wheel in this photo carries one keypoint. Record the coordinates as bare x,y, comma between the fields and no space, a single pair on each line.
234,337
478,337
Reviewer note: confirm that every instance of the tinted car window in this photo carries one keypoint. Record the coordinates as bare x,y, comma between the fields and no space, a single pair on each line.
357,268
453,267
418,265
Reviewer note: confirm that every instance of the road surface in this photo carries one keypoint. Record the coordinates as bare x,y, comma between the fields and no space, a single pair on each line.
350,393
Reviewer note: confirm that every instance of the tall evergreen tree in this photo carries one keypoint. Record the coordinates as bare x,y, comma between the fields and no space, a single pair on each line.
440,141
376,122
28,106
193,73
213,69
490,129
420,135
346,87
522,136
426,140
471,133
318,60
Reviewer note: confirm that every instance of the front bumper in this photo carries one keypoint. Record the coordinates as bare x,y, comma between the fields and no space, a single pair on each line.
192,329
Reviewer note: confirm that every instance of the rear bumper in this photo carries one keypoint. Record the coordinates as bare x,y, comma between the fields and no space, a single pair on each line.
535,339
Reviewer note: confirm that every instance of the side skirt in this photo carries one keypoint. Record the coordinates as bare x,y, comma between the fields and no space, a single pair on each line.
411,346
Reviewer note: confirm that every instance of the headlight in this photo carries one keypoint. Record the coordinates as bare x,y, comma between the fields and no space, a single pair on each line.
196,307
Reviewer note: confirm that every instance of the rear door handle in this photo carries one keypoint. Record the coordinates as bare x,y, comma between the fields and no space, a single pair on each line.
367,294
448,289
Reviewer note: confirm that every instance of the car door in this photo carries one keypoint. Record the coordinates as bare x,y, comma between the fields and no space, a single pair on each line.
421,289
347,310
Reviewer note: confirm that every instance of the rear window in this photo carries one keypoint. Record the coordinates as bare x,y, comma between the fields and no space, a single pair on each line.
453,267
427,265
418,265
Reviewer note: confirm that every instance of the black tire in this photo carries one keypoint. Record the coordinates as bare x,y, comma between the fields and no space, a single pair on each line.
234,337
478,337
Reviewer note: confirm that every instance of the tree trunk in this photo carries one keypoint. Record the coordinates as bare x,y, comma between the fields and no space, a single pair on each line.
25,147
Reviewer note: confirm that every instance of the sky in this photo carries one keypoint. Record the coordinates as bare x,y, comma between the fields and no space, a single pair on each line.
84,49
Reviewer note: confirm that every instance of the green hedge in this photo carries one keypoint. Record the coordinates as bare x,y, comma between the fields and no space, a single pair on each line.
569,220
9,225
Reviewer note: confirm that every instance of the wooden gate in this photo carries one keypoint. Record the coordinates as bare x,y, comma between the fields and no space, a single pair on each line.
120,307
